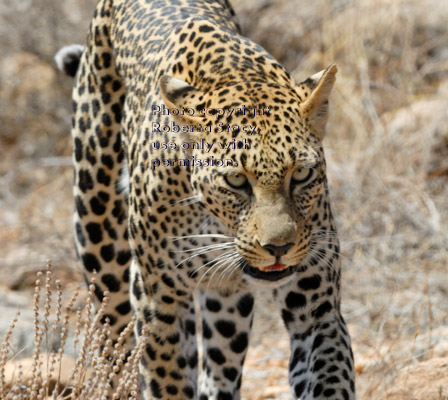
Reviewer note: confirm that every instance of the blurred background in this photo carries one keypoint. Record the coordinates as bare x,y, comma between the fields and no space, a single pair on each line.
387,154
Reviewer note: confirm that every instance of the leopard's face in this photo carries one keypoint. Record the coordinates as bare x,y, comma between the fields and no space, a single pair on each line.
267,201
272,193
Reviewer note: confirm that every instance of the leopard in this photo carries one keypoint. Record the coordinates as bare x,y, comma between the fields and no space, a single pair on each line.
200,193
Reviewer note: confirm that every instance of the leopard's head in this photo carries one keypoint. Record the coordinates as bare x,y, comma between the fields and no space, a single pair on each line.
272,195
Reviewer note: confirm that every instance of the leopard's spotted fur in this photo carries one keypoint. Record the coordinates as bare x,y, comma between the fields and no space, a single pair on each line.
157,234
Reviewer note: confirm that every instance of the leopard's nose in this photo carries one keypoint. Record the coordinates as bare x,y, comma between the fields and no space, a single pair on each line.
277,251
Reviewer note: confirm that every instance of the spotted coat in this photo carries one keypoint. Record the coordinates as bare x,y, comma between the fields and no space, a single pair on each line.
215,212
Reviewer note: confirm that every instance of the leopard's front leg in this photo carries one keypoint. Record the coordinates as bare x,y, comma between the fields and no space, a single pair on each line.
321,364
226,324
169,364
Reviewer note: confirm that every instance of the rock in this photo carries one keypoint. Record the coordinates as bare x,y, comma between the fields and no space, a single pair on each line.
22,338
21,342
60,375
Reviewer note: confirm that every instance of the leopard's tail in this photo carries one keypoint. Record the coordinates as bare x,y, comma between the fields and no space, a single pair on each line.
68,57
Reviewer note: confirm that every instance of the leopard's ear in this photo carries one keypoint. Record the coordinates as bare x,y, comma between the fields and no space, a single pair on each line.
315,92
181,99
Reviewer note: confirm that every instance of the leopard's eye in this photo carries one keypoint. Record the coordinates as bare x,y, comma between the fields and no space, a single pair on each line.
236,181
302,175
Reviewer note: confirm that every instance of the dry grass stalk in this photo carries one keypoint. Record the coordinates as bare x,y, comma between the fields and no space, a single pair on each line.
98,362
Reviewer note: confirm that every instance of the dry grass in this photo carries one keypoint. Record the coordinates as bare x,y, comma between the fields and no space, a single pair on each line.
387,151
98,360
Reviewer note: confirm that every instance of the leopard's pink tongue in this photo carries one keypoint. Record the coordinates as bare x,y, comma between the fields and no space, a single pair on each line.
274,267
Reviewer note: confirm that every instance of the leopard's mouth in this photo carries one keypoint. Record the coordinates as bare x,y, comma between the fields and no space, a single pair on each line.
271,273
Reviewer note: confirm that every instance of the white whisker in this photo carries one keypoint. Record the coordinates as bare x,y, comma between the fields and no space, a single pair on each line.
220,265
205,251
209,246
230,268
202,236
225,255
218,262
207,222
187,201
